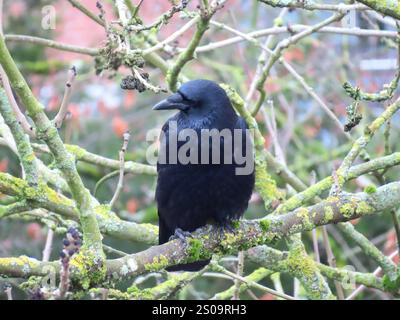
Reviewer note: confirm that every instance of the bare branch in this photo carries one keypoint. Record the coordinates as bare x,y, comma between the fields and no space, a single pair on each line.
51,44
87,12
48,245
311,5
28,128
235,276
59,118
121,169
161,20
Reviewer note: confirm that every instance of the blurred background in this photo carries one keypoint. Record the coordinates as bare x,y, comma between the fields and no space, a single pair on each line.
100,111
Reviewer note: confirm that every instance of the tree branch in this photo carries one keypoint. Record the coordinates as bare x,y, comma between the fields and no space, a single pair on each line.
47,132
25,152
387,8
51,44
207,241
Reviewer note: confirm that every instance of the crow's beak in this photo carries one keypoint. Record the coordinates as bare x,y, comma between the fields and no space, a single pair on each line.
174,102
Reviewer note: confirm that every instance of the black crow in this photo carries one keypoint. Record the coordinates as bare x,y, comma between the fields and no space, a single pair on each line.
191,195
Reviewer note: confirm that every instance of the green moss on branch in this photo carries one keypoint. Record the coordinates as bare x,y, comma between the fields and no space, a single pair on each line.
47,198
188,54
25,152
386,7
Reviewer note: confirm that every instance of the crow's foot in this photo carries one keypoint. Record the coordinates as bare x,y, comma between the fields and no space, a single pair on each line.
180,234
224,227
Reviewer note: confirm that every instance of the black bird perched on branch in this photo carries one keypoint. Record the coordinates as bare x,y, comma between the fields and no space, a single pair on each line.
190,195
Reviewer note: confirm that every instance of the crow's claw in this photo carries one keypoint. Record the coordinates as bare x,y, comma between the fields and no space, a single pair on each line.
180,234
226,227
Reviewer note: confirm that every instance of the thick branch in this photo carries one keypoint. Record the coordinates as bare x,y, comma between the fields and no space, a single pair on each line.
46,198
25,152
252,233
386,7
288,263
207,241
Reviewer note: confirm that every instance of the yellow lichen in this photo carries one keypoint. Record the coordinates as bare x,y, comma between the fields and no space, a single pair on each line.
104,211
24,263
303,214
87,268
57,198
77,151
328,214
347,210
158,263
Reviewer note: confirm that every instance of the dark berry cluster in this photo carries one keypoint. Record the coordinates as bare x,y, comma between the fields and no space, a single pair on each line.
132,83
71,244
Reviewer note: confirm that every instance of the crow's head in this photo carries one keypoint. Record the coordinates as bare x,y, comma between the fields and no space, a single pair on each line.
197,98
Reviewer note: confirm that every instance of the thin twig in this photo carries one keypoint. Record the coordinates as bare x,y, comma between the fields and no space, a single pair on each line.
51,44
349,253
59,118
387,265
312,93
396,227
331,261
375,273
173,36
146,83
251,283
240,266
137,8
294,28
87,12
28,128
124,16
121,169
276,279
311,5
161,20
314,231
8,291
261,60
315,245
270,121
282,45
48,245
292,71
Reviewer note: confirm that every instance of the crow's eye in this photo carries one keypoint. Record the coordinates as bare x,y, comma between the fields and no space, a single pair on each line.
184,97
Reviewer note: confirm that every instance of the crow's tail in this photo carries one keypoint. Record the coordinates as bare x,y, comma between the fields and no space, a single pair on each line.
193,266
